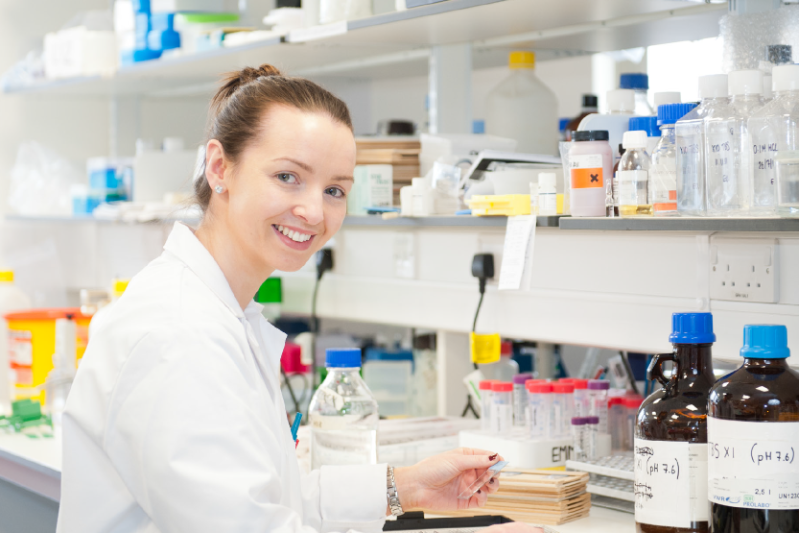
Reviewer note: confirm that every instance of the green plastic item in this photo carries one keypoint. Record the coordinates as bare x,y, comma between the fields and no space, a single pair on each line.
25,414
209,18
271,292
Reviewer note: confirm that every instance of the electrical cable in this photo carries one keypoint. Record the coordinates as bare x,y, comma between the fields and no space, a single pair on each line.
324,262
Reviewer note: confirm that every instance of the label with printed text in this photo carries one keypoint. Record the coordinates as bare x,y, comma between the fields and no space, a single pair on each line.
670,483
586,171
753,464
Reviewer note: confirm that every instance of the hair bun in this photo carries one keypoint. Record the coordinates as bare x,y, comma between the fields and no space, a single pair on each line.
248,74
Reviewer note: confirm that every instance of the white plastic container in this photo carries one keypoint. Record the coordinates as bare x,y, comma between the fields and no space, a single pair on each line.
590,172
502,414
523,108
598,393
539,395
547,194
689,134
343,414
621,108
11,299
775,181
486,404
667,97
727,147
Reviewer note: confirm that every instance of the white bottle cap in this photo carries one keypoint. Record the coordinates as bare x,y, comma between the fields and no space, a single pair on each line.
713,86
634,139
546,180
786,78
621,101
668,97
767,85
746,82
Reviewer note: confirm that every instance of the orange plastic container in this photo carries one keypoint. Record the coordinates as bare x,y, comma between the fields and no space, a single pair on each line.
31,344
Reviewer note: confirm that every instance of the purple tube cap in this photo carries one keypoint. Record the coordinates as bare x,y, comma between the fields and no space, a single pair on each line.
579,421
520,379
598,384
592,420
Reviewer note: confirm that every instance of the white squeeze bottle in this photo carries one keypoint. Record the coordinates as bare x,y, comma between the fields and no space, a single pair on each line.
521,107
11,299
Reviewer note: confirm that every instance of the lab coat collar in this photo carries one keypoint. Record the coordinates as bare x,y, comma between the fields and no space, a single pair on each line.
185,245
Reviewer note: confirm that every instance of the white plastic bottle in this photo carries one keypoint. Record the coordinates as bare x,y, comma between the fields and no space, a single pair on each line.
639,83
689,138
633,176
343,414
590,173
118,287
521,107
621,108
727,147
11,299
547,194
774,141
667,97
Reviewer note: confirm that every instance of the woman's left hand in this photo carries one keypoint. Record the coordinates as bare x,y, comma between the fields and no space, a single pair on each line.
436,482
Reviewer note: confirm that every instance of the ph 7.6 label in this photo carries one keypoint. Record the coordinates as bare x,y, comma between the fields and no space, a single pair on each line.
753,464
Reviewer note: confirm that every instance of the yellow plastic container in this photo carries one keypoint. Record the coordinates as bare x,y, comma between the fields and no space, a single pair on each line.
31,344
500,205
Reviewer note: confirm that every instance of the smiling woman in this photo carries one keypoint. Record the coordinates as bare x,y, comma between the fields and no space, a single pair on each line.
175,421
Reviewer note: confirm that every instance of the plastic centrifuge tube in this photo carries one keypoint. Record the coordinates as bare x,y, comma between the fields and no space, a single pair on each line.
486,404
591,423
598,394
502,414
578,432
539,395
562,409
520,400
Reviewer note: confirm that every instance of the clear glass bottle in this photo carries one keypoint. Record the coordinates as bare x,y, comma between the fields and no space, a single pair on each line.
753,432
612,192
663,175
728,149
671,434
634,176
775,147
689,137
343,414
639,83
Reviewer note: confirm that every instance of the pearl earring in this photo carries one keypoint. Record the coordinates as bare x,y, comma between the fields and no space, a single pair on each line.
219,189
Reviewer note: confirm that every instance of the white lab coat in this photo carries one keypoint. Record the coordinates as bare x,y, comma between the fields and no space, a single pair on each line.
176,423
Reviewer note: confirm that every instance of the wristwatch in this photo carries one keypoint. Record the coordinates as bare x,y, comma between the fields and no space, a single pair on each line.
392,495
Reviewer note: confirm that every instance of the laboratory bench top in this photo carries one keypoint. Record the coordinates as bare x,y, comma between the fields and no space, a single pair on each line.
35,465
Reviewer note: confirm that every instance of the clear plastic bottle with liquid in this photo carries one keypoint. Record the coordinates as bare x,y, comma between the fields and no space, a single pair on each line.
671,432
663,174
634,176
521,107
639,83
343,414
689,137
773,131
753,435
727,145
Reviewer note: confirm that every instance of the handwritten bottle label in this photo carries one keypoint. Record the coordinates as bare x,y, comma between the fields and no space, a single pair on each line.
753,464
670,483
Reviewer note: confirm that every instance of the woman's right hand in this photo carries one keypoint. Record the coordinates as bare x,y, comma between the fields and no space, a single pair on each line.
513,527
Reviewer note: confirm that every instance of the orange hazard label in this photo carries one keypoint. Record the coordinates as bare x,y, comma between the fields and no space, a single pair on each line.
586,178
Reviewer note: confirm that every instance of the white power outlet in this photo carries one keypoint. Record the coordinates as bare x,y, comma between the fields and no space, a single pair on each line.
744,270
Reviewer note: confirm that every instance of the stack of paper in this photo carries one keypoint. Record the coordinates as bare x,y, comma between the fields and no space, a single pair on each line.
537,497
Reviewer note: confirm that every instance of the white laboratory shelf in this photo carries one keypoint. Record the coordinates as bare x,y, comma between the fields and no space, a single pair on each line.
397,43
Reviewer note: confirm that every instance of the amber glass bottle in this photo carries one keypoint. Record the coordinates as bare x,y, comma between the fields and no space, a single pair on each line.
671,434
753,434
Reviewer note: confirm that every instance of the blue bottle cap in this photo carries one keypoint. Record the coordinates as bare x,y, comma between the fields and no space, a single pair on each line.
647,124
343,358
634,81
692,328
765,342
671,113
563,122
